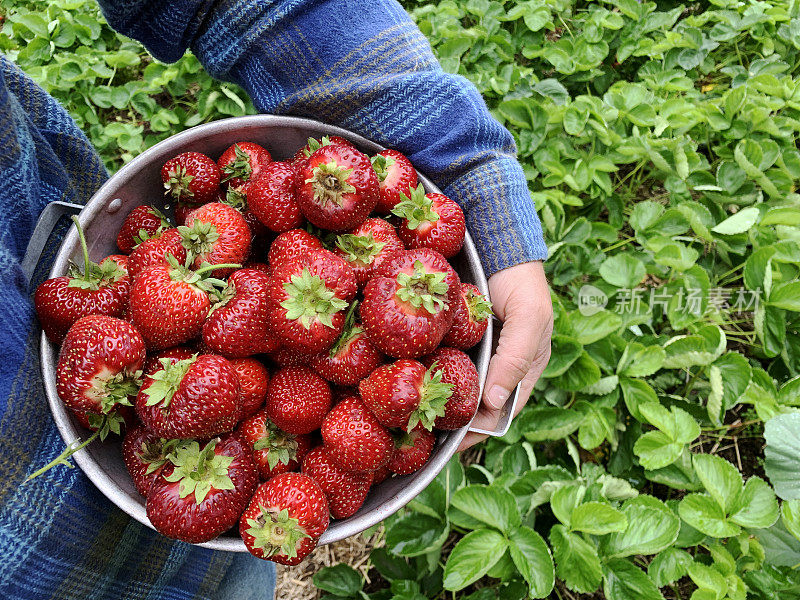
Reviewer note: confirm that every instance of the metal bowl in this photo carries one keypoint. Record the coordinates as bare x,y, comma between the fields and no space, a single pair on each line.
139,182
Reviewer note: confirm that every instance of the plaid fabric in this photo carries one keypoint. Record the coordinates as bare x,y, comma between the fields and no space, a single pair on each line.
365,66
60,537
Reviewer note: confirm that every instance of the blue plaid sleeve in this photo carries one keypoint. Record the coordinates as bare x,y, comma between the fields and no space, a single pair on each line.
364,66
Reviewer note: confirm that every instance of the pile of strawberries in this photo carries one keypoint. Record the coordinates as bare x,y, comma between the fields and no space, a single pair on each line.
337,357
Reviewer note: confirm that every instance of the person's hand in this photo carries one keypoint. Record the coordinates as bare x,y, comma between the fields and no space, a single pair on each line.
521,299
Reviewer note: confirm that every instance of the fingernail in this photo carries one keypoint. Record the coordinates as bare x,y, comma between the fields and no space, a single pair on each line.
497,397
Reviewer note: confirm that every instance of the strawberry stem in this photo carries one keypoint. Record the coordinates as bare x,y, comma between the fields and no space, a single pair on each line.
209,267
71,449
84,248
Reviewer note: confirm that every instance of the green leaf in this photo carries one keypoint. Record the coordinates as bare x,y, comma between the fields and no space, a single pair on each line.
790,516
636,393
780,546
491,505
668,566
564,352
736,373
414,534
472,557
639,360
707,578
720,479
532,558
564,501
598,518
340,580
549,423
657,450
782,454
786,296
583,373
738,223
626,581
652,526
756,507
577,563
595,327
703,513
623,270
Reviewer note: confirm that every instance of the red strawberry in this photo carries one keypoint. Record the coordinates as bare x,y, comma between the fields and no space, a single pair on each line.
274,450
156,250
338,187
201,492
174,354
237,325
315,144
144,455
169,303
191,177
354,438
308,297
99,368
292,244
404,393
345,491
243,162
272,197
182,211
142,223
284,357
217,234
253,383
351,358
298,400
258,266
407,313
196,397
430,221
456,369
396,174
368,247
99,290
285,518
380,475
470,320
240,201
412,450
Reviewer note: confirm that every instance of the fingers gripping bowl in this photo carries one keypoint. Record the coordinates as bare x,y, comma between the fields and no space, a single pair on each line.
139,183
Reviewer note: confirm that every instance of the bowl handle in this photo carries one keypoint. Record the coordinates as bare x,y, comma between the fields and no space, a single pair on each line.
506,415
41,233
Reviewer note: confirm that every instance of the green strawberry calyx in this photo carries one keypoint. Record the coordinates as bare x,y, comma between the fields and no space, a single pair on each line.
416,208
360,249
434,395
308,299
478,306
177,185
329,181
236,198
110,390
199,471
422,288
199,238
381,165
167,381
274,532
281,447
351,329
143,235
154,453
315,144
93,275
240,167
199,278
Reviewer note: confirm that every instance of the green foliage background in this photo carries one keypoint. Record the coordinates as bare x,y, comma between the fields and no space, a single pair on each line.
658,456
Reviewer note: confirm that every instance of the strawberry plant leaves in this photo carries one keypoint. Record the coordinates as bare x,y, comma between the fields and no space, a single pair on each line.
564,501
583,373
782,454
625,581
340,580
720,479
472,557
668,566
790,517
703,513
652,526
549,423
740,222
597,518
786,296
493,506
636,392
565,350
780,546
735,373
706,578
622,270
595,327
577,563
756,507
414,534
532,558
639,360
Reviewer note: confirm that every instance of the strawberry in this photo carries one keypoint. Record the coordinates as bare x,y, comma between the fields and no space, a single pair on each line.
182,210
412,450
272,197
307,300
458,370
142,223
97,290
192,178
405,393
237,199
169,303
354,439
315,144
338,187
292,244
407,313
396,175
351,358
298,400
201,492
430,221
285,518
274,450
243,162
345,491
284,357
253,383
99,368
195,397
258,266
144,455
368,247
217,234
237,324
156,250
174,354
124,416
470,320
380,475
